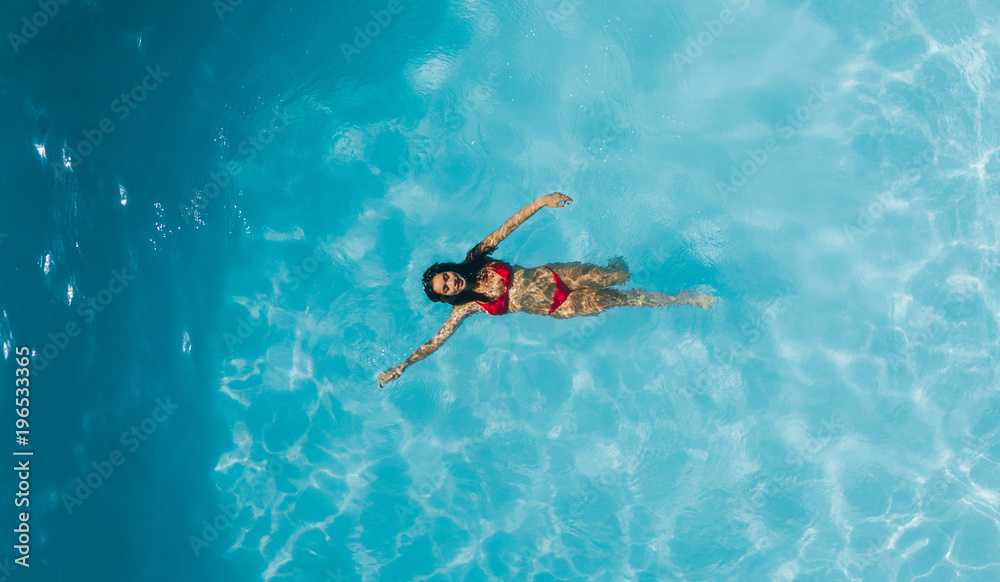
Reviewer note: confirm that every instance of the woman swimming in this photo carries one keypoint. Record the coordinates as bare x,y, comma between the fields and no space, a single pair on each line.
481,284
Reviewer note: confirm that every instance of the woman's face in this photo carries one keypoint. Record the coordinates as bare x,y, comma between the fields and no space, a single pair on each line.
448,283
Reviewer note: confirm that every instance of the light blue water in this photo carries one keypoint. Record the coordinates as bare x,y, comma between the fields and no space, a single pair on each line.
827,170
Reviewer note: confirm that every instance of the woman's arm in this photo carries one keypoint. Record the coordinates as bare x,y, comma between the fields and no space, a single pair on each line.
554,200
458,313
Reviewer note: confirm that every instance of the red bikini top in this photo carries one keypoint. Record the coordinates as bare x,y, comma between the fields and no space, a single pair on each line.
499,305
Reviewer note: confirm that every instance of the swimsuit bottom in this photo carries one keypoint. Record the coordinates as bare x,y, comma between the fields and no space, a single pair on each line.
562,291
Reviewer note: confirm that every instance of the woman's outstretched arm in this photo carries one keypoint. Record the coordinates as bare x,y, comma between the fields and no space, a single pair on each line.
458,313
554,200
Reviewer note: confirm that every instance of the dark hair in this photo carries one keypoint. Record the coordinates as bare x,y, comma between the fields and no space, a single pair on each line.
474,263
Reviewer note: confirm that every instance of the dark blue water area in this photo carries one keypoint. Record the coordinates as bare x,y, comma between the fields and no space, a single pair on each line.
123,422
117,228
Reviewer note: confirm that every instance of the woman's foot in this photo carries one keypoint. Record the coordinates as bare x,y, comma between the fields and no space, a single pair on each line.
698,298
618,264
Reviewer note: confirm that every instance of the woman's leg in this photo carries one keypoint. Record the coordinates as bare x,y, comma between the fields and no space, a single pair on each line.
585,275
643,298
593,301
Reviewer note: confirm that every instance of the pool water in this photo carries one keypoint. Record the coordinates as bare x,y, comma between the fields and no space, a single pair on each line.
226,208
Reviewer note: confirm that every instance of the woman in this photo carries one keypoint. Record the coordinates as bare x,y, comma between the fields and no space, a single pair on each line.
482,284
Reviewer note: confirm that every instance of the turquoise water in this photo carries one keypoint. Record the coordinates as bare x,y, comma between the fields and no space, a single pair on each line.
216,219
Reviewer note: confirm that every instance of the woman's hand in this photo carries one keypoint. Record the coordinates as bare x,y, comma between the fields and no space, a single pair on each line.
555,200
389,375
